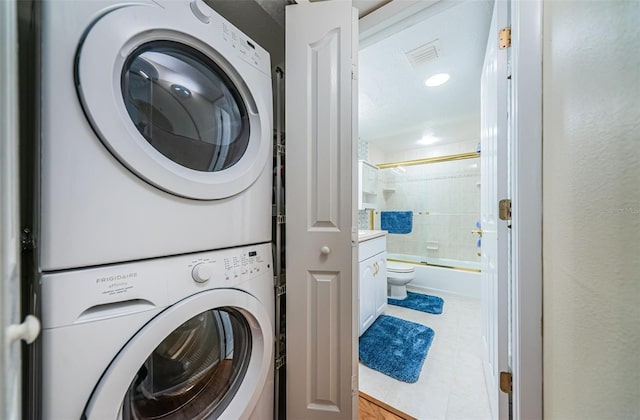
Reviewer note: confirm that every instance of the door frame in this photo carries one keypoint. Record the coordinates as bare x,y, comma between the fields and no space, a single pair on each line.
526,194
525,123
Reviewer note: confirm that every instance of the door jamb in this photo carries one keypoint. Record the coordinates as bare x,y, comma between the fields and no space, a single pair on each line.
526,289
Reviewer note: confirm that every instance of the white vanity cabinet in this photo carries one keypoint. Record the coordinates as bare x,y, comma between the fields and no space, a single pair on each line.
372,257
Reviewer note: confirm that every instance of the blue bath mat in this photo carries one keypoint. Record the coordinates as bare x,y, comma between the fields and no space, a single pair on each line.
396,347
419,302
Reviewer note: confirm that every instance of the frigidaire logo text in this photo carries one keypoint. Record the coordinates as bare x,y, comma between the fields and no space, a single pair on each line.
117,277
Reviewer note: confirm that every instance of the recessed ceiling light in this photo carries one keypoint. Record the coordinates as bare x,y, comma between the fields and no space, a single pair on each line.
437,79
428,140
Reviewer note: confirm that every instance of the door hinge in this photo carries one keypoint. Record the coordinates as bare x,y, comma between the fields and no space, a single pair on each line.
281,290
504,209
504,38
506,382
280,219
280,361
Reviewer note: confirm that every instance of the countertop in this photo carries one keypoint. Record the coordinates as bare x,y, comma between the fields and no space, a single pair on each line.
365,235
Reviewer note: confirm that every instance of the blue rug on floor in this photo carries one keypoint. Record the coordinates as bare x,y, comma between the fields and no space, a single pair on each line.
396,347
419,302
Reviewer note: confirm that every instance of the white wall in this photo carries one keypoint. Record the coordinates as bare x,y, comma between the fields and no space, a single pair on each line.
591,210
376,155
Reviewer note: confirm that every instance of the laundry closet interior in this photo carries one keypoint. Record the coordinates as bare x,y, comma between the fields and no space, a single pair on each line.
157,217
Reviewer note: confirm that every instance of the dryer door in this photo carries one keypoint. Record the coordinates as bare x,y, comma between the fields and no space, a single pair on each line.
208,356
175,101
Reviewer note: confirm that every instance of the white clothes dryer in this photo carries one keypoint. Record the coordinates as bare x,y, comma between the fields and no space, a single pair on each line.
185,337
156,134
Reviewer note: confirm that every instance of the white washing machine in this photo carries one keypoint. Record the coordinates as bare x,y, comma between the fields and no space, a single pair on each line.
156,132
185,337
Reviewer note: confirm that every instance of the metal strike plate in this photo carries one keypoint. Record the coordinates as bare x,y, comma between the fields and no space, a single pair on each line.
504,209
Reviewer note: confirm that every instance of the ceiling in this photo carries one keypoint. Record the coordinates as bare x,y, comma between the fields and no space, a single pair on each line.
396,108
367,6
275,8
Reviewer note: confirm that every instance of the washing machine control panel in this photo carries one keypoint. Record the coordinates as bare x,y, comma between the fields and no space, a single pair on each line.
231,266
98,293
242,266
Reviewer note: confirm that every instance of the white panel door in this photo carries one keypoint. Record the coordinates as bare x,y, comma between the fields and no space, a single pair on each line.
494,258
9,215
321,251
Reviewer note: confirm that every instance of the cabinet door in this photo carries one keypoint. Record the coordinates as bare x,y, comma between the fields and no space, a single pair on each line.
367,302
380,290
367,186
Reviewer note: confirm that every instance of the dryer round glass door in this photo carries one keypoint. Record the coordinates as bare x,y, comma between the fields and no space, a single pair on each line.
185,106
175,101
207,356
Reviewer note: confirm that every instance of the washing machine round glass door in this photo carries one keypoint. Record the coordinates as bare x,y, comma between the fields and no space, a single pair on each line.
212,364
174,101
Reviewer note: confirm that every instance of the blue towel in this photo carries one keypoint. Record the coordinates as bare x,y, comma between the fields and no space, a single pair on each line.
396,221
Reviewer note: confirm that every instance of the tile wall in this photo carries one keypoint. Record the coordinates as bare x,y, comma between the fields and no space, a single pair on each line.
445,199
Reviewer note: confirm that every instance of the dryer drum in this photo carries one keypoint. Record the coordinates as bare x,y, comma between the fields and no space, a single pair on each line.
195,371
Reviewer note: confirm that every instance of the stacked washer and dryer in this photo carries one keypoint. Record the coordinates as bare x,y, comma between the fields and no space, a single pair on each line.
156,153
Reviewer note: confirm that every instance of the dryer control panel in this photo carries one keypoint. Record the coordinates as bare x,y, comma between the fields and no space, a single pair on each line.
250,52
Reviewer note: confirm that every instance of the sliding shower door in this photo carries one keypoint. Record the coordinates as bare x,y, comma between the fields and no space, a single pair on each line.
443,198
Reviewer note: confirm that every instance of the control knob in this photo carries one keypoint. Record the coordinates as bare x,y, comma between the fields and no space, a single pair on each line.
201,273
201,10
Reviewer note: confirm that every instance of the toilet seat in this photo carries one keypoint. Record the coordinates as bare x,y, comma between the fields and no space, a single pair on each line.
398,267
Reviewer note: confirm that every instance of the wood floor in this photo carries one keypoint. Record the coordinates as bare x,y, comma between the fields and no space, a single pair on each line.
370,408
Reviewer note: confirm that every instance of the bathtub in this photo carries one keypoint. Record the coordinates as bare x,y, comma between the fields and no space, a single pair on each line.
463,280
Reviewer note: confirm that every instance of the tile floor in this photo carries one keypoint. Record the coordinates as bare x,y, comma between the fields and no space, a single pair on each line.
451,384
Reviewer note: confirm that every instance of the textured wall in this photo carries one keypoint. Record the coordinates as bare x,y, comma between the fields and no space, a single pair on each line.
591,210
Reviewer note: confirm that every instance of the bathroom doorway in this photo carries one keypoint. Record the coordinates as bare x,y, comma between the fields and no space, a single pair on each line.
423,135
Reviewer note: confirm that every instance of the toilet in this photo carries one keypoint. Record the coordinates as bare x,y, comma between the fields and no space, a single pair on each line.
398,276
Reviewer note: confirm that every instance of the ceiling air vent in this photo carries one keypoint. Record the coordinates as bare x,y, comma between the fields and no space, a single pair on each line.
424,54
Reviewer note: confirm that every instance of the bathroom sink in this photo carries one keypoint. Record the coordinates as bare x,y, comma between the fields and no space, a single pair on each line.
365,235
